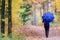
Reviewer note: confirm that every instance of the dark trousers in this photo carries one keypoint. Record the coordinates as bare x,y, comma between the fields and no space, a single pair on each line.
46,26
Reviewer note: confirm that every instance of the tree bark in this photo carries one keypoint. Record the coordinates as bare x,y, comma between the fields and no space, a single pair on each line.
2,17
9,17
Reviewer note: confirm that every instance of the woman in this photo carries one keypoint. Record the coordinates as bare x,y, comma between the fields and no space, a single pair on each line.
47,18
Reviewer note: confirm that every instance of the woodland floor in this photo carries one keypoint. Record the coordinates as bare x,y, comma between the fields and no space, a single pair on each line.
38,33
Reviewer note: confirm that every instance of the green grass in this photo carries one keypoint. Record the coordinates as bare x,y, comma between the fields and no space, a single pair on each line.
14,37
54,24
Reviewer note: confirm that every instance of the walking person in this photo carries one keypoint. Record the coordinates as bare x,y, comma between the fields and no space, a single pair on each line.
47,18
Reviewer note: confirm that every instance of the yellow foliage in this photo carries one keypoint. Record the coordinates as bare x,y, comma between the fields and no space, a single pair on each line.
22,10
4,35
6,1
57,1
55,19
53,3
40,21
3,19
15,8
6,20
15,19
58,5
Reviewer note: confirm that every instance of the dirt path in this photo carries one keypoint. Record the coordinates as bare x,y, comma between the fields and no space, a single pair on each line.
50,38
38,32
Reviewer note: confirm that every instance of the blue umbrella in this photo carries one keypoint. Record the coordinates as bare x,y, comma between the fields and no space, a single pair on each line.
47,18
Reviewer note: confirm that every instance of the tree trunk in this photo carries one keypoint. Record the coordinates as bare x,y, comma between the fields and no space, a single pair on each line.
9,17
2,17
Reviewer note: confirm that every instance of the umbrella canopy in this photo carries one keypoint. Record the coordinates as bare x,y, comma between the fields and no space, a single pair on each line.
48,17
